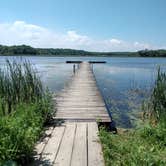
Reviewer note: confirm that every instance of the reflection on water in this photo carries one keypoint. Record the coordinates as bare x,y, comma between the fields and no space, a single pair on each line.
124,88
124,82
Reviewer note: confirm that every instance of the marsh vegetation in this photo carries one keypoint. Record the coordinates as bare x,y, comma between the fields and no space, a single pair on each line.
145,145
25,106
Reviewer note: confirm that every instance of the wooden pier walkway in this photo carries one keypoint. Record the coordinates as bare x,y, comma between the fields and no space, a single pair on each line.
81,100
75,142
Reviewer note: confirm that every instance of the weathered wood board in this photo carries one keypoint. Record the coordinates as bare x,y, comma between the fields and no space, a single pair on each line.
72,144
81,99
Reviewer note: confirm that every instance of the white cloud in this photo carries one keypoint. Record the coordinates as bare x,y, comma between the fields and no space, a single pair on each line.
115,41
141,45
20,32
74,37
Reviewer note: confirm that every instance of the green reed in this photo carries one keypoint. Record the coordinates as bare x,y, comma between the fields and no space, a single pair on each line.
25,107
159,97
19,83
155,107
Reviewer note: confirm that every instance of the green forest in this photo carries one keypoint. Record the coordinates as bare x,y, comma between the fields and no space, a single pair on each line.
28,50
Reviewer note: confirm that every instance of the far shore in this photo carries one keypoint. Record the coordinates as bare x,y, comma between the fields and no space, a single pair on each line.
24,50
100,56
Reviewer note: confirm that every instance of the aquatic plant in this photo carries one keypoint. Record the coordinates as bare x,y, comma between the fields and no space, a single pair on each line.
19,83
155,107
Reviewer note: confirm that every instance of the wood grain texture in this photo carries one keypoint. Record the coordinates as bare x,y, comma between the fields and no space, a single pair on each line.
75,142
72,144
81,98
79,156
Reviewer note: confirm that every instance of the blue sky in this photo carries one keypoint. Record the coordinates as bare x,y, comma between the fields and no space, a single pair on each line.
97,25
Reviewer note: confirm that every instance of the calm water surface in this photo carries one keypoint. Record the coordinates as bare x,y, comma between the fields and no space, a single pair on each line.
124,82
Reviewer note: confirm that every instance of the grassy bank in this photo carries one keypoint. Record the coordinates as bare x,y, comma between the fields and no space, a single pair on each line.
25,105
145,145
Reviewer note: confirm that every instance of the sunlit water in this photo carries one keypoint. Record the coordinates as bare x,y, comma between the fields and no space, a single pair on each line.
123,82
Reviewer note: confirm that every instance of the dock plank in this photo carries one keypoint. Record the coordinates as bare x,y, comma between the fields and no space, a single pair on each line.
72,144
81,96
79,156
95,156
65,152
52,147
42,143
76,142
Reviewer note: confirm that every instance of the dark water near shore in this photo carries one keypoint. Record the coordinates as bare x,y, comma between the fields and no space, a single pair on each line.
124,82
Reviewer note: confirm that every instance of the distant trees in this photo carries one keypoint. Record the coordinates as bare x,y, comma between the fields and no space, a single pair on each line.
152,53
21,50
61,51
28,50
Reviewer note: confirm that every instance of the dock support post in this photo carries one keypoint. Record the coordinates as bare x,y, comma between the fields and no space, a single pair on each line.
91,67
74,68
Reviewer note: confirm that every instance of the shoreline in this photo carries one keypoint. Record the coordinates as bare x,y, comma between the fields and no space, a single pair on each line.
85,56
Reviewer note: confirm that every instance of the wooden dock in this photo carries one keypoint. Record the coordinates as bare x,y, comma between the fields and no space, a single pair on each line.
81,100
71,144
75,142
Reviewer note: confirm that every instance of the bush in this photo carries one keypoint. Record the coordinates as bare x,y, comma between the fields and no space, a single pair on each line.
19,132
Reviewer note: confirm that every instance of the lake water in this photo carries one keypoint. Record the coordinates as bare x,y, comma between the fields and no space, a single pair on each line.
124,82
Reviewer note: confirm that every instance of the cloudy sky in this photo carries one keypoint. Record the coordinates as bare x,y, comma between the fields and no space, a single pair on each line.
94,25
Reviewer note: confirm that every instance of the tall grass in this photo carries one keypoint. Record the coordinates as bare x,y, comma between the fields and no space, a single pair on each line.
25,105
142,147
19,83
155,107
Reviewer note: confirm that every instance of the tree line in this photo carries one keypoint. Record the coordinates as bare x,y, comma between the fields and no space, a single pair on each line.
152,53
28,50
